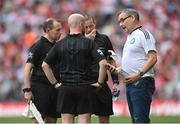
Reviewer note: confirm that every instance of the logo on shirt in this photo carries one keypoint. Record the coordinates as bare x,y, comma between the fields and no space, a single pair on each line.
30,55
100,52
132,41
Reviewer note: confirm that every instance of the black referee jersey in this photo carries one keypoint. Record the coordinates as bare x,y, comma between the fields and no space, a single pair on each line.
36,55
104,44
75,54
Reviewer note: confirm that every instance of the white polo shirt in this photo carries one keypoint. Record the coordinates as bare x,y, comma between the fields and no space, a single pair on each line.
135,51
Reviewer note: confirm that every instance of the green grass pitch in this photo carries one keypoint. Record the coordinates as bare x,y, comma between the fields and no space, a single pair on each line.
113,119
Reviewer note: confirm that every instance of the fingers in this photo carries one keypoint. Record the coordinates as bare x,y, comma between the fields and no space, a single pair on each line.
96,85
112,68
115,92
57,85
127,80
118,69
28,96
91,35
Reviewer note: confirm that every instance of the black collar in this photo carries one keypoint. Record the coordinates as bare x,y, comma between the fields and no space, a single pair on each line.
46,40
136,28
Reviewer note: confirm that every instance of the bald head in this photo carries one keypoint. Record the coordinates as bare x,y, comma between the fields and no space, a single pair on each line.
75,19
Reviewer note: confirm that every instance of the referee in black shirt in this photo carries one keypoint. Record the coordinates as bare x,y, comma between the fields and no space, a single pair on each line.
103,106
75,54
36,85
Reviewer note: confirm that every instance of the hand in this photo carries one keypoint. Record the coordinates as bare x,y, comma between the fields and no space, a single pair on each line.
28,96
91,35
118,69
57,85
115,90
96,85
113,69
132,78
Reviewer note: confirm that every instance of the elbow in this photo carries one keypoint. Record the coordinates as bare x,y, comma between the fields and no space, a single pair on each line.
155,60
44,65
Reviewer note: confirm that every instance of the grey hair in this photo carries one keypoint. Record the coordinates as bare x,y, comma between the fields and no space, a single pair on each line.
74,20
132,12
87,17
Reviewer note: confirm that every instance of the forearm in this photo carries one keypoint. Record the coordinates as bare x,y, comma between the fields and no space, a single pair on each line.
27,82
49,74
114,76
27,75
102,71
152,59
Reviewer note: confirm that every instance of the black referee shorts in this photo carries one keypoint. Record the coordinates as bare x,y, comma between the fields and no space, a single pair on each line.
103,105
76,99
45,99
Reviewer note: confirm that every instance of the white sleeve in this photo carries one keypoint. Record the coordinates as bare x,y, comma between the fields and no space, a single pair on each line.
148,42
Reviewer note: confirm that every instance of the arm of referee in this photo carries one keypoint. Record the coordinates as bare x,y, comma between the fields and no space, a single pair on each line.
49,74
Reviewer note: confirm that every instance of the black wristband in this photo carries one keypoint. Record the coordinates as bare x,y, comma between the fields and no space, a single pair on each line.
141,73
27,90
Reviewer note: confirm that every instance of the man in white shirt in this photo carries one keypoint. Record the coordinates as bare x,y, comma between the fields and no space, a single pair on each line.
139,58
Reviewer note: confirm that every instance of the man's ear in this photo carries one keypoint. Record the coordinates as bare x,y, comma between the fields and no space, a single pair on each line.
47,30
134,18
81,24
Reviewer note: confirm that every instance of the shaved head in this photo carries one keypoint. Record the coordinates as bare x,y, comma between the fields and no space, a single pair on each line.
75,19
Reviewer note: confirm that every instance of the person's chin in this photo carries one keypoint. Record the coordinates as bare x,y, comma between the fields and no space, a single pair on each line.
125,30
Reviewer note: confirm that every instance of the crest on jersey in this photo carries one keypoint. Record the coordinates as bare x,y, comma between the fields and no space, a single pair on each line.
100,52
132,41
30,55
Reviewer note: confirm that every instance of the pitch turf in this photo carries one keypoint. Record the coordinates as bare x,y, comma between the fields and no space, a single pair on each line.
113,119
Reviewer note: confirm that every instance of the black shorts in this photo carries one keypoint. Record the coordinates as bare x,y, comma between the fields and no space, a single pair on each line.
76,99
103,105
45,99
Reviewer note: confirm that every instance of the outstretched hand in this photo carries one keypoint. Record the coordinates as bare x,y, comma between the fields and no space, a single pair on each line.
113,69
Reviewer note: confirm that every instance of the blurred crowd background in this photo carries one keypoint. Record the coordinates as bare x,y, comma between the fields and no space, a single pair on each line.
20,27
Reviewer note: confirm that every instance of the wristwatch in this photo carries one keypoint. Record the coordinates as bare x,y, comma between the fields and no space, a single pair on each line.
27,90
141,73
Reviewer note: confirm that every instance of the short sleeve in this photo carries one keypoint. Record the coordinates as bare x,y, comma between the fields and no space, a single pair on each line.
148,42
96,52
33,54
51,57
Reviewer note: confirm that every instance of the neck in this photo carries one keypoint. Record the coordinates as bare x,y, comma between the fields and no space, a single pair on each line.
135,27
49,39
75,31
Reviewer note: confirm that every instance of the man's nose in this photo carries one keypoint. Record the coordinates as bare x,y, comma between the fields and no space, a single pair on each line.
120,24
88,30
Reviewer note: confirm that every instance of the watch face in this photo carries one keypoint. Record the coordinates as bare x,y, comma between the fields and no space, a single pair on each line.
141,73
